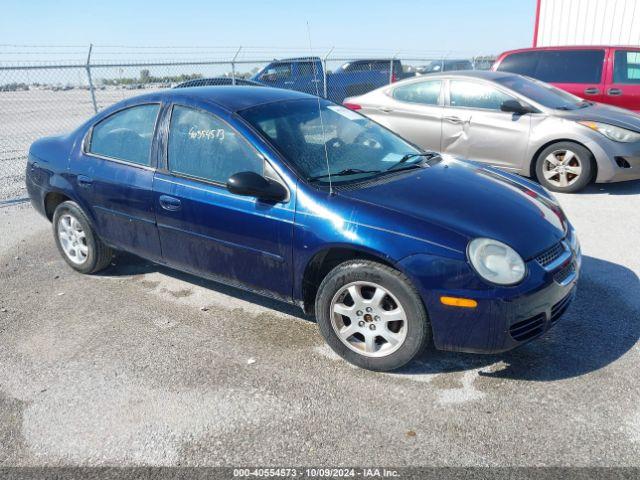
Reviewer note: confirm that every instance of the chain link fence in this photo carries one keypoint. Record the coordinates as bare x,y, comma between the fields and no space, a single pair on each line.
51,90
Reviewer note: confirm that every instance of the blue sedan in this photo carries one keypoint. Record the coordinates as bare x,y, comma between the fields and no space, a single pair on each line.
390,247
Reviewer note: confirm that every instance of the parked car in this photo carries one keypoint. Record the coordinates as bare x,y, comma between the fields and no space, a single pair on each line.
444,65
217,81
516,123
353,78
601,74
390,246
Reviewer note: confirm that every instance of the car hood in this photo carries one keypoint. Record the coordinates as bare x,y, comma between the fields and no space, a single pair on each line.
474,201
604,114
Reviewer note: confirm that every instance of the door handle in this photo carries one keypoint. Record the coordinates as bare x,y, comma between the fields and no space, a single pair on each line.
84,181
169,203
614,92
385,109
453,119
591,91
288,83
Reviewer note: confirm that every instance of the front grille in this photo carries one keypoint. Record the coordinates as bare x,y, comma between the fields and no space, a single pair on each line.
529,328
551,255
565,273
559,308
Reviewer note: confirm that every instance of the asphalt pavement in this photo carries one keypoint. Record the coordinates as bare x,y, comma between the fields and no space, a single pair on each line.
143,365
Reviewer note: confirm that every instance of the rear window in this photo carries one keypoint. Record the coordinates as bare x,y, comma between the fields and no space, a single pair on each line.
557,66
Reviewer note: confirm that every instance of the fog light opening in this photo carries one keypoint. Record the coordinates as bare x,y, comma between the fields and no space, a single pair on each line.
622,162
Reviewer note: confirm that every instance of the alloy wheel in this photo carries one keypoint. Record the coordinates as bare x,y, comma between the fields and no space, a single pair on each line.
368,319
562,168
73,239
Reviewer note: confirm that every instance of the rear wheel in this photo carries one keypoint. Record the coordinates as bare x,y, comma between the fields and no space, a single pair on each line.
371,315
77,242
565,167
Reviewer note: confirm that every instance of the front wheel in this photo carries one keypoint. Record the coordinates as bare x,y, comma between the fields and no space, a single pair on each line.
565,167
371,315
77,242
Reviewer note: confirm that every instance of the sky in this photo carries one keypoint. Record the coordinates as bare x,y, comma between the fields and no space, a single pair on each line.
474,27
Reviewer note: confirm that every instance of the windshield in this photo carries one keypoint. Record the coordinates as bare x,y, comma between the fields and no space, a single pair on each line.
542,93
356,148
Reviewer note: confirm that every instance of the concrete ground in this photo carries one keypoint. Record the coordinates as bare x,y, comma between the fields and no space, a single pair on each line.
143,365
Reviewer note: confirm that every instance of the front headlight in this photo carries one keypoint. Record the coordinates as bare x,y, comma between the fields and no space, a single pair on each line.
617,134
495,261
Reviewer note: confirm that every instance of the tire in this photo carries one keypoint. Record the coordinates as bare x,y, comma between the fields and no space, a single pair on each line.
76,240
390,348
551,177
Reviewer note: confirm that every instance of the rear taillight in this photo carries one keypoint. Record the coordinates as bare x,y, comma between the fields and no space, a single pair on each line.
352,106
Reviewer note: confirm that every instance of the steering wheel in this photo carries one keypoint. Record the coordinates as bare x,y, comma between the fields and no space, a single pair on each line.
334,142
370,141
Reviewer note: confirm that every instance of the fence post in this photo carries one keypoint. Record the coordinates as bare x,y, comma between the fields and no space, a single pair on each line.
324,71
91,89
233,66
391,67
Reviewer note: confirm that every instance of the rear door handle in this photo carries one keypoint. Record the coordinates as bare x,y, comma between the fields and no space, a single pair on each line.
169,203
84,181
614,92
453,119
591,91
385,109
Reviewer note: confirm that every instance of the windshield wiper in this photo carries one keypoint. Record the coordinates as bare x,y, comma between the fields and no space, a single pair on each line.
408,157
342,173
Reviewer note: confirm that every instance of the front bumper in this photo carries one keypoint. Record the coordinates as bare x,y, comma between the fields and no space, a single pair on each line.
505,317
617,162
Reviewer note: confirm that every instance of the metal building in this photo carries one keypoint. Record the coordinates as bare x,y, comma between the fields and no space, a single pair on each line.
587,22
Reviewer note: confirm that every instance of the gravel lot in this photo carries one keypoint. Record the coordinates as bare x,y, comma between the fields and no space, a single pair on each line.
147,366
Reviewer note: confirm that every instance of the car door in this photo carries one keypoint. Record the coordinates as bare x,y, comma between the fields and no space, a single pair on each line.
580,72
308,78
623,78
414,111
112,175
203,227
474,127
577,71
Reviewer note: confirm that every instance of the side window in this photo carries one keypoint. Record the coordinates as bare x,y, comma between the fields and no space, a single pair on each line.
357,67
570,66
426,93
626,67
126,135
282,70
307,69
202,146
523,63
279,71
475,95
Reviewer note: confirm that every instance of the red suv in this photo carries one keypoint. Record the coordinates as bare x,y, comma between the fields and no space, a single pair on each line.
602,74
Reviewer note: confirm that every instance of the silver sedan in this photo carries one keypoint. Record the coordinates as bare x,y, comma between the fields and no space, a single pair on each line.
512,122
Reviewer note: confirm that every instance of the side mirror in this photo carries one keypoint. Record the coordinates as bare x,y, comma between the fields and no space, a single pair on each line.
514,106
251,184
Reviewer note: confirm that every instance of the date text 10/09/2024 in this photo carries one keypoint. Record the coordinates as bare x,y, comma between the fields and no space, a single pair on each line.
316,472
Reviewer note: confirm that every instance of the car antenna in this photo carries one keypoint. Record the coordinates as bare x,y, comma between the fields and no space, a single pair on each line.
324,138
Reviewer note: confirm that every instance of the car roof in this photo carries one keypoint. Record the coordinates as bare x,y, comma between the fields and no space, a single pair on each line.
566,47
229,97
481,74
